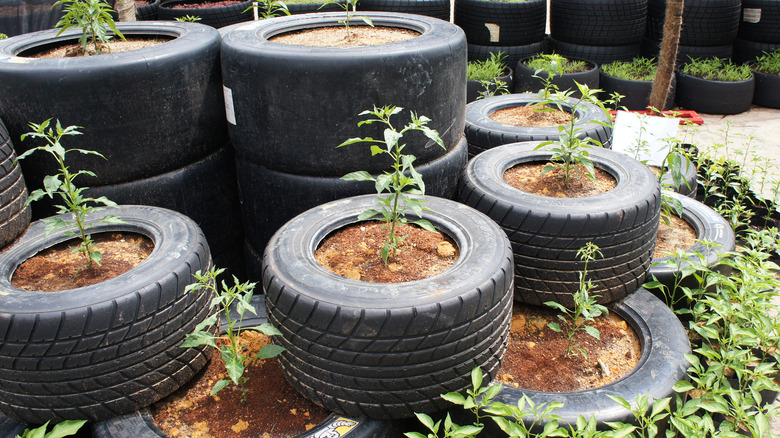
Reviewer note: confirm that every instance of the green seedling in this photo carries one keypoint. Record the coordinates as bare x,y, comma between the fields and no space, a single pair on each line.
92,17
349,7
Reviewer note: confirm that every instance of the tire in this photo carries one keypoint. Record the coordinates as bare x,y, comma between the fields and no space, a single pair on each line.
483,133
432,8
108,349
598,22
513,53
270,198
705,22
141,424
767,92
474,88
435,88
526,82
651,49
181,74
418,339
714,97
14,213
547,232
760,21
147,12
709,226
688,185
219,16
746,51
596,54
661,365
636,93
307,8
490,23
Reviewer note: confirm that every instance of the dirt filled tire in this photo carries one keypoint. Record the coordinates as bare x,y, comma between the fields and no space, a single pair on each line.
501,23
714,97
767,92
217,17
598,22
636,94
595,54
760,21
171,112
746,51
526,82
661,365
546,232
513,53
108,349
409,342
14,213
270,198
147,12
483,133
431,66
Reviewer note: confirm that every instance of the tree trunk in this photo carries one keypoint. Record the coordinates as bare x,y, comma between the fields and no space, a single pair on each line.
668,56
125,9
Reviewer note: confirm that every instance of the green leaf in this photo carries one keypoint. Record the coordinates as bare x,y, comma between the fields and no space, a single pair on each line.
427,421
198,338
66,428
592,331
269,351
360,175
476,377
51,183
220,385
683,386
454,398
620,401
267,329
234,365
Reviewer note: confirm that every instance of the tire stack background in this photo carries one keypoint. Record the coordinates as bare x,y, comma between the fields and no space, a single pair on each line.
514,28
14,214
590,29
709,28
759,29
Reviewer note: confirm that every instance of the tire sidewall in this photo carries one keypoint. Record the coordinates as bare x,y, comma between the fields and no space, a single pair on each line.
714,97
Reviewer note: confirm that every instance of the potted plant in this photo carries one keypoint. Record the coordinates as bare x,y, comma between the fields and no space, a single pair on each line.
387,349
488,78
766,70
96,317
634,81
714,86
564,72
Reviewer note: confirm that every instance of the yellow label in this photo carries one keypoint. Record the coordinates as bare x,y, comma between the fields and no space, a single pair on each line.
336,429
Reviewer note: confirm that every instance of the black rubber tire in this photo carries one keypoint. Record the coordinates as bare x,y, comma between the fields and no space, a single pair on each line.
513,53
355,77
147,12
705,22
747,51
307,8
483,133
709,226
651,49
661,365
10,428
165,109
760,21
526,82
109,349
595,54
767,91
14,214
418,339
636,93
689,183
714,97
216,17
270,198
547,232
475,88
490,23
432,8
598,22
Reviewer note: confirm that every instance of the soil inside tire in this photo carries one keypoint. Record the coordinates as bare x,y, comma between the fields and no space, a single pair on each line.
273,407
679,235
529,177
61,268
354,252
535,359
531,116
337,36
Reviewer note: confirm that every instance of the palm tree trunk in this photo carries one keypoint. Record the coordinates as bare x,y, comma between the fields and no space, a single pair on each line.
125,9
668,56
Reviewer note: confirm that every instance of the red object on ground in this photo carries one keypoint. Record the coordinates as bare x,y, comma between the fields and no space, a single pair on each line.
685,116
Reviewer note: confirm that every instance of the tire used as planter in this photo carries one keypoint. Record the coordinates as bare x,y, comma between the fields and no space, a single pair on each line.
14,212
513,53
636,93
432,8
526,82
595,54
714,97
111,348
483,133
214,16
688,184
497,23
474,88
546,232
767,91
388,350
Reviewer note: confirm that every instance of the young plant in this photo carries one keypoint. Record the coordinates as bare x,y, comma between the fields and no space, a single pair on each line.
3,36
225,302
491,68
585,309
638,69
768,63
492,87
92,17
66,428
646,420
62,184
555,64
188,18
402,182
350,14
268,9
716,69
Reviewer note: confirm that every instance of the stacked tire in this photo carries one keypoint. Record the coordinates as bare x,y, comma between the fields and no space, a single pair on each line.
287,159
516,29
759,29
432,8
709,29
600,31
216,16
14,213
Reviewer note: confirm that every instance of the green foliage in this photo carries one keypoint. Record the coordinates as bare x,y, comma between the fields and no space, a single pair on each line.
3,36
269,9
717,69
92,17
768,63
232,353
638,69
401,183
63,429
555,64
62,184
585,309
188,18
491,88
491,68
350,7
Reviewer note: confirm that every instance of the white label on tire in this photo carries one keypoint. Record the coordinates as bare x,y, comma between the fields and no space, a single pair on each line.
751,15
494,30
230,113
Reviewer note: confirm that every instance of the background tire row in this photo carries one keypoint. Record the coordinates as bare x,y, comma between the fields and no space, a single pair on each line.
14,214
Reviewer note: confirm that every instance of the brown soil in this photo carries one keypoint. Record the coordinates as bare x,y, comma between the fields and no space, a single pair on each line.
336,36
205,5
354,252
528,178
680,235
273,407
115,45
530,116
59,268
535,360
